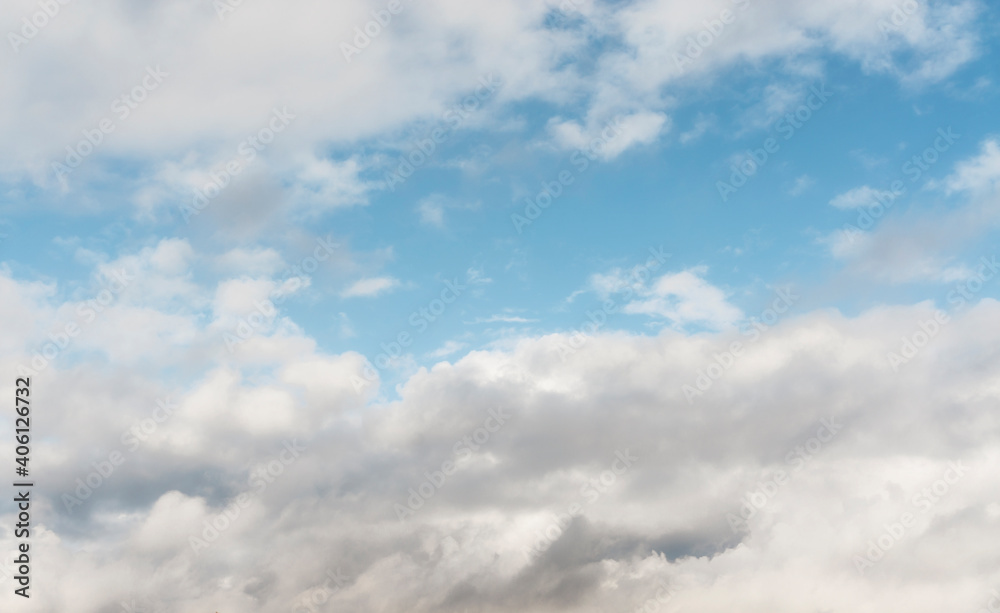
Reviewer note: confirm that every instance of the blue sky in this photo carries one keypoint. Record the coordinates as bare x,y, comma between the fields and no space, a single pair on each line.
455,213
215,198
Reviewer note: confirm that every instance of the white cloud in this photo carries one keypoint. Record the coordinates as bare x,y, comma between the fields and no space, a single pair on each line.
236,297
895,254
370,287
686,298
476,276
977,174
504,318
920,244
175,139
324,184
682,298
333,506
449,348
859,197
253,261
432,209
431,212
607,140
801,185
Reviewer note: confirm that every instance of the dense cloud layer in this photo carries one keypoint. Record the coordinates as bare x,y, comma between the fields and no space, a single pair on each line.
565,473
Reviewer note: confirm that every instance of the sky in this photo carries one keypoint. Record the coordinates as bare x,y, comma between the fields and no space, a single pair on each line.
403,305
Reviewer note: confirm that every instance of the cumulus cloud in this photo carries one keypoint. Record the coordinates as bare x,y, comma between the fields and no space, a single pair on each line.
549,501
685,298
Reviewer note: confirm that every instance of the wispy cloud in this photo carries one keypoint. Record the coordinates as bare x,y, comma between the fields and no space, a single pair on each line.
370,287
